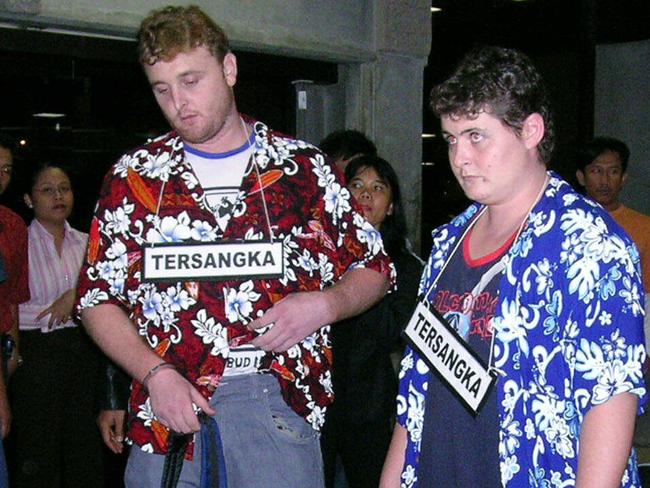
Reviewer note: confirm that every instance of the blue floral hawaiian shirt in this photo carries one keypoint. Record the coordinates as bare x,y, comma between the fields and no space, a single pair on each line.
569,335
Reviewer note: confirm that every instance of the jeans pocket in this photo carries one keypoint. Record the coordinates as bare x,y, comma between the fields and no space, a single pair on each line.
285,424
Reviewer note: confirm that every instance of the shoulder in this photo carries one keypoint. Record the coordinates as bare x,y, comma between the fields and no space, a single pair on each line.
13,222
279,144
153,159
574,216
631,214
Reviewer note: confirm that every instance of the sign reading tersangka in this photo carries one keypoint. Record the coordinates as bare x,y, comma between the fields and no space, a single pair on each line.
446,353
213,261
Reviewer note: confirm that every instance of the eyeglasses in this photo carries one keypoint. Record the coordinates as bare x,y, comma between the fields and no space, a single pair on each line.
7,169
50,191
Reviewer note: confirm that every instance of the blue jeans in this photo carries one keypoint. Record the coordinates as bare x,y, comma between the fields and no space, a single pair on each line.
265,443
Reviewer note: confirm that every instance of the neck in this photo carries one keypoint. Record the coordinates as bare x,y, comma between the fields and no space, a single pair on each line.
613,206
508,216
500,222
233,134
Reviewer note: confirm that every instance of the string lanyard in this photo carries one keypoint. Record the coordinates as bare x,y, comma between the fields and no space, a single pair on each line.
497,268
259,182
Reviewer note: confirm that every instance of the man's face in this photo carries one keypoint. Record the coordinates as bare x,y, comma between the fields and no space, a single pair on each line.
6,168
194,91
603,179
489,160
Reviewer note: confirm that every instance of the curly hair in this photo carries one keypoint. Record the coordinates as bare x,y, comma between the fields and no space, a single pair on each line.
499,81
168,31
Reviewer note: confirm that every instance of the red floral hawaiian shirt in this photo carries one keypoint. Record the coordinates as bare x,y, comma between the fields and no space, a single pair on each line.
152,195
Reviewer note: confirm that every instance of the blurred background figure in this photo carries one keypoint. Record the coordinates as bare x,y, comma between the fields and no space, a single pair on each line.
602,170
358,424
14,289
344,145
55,441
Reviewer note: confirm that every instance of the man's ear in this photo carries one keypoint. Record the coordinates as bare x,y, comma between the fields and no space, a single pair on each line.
581,177
230,69
532,131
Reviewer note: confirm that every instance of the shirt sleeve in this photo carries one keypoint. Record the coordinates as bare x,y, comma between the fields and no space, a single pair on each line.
345,234
105,268
606,325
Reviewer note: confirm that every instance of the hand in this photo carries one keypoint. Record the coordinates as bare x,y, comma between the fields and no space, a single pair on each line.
173,399
292,319
60,310
111,426
5,411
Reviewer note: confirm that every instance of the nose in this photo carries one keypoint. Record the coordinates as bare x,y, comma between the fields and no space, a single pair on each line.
365,194
458,154
178,99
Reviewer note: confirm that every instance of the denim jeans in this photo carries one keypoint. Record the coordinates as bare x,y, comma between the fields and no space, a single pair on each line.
265,443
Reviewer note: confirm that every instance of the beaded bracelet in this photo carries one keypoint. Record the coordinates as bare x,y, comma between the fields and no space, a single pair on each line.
158,367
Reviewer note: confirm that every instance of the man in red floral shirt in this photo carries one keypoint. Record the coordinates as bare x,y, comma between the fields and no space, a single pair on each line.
218,255
14,289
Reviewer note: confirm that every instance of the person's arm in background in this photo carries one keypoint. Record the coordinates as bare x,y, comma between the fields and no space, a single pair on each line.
392,472
606,441
391,314
112,402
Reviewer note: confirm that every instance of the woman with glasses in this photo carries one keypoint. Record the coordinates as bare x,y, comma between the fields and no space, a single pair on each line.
56,442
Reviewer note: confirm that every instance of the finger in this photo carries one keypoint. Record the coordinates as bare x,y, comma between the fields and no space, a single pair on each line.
44,313
200,401
119,428
269,340
106,435
266,320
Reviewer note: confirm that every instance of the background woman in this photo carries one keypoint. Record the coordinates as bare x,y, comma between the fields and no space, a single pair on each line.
56,442
358,424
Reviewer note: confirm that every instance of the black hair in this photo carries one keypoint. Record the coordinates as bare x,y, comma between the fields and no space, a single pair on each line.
598,146
502,82
7,142
35,170
347,143
393,229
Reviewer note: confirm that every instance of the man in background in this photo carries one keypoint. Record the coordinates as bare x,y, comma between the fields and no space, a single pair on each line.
603,172
14,289
344,145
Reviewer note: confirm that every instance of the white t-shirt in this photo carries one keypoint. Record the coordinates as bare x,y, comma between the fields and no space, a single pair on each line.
220,175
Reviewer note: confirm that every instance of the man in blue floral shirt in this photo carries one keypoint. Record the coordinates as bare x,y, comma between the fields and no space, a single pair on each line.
537,287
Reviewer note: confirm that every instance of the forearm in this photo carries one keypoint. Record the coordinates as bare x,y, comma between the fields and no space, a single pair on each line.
392,472
354,293
606,441
116,335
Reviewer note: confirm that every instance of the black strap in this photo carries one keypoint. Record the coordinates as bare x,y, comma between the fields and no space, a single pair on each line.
174,459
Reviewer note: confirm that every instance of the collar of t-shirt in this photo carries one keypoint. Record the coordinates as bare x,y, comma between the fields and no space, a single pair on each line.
220,176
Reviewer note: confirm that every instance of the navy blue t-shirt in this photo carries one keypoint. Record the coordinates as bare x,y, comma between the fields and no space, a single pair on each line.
459,449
